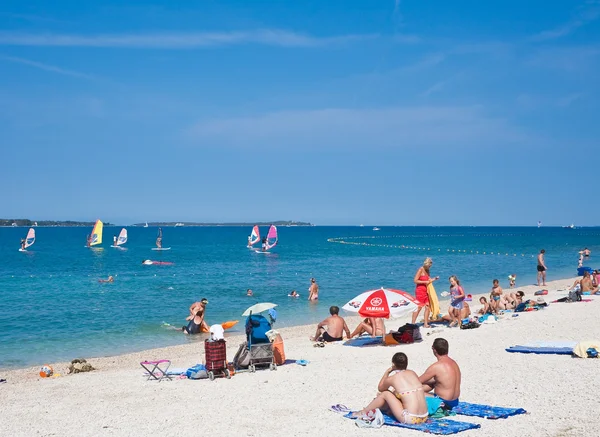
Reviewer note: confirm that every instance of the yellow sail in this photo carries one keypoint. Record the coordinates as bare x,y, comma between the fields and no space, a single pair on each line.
97,233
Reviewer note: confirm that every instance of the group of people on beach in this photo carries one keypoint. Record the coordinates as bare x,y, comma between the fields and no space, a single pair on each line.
410,397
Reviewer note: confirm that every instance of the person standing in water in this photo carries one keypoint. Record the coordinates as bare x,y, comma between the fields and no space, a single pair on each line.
541,268
159,239
22,243
422,280
313,290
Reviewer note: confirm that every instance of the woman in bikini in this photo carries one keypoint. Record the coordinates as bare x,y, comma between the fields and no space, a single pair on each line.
407,401
422,280
372,325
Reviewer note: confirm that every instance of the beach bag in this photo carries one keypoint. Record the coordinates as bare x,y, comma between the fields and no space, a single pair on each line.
278,351
407,334
197,372
575,296
371,419
470,325
241,360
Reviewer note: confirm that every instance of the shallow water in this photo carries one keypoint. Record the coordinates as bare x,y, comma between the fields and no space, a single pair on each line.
54,308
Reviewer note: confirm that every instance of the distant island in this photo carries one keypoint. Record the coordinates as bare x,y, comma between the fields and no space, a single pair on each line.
65,223
276,223
68,223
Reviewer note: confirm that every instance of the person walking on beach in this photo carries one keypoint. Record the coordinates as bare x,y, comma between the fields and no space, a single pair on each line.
442,377
422,280
541,268
332,328
313,290
457,300
407,401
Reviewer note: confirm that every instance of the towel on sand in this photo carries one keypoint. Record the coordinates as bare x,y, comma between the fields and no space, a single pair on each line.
541,350
365,340
432,426
486,411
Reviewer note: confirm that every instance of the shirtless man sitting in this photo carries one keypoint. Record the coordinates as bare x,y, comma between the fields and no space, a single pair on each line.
443,376
372,325
407,402
336,326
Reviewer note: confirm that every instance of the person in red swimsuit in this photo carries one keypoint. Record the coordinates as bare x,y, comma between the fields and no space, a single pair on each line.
422,279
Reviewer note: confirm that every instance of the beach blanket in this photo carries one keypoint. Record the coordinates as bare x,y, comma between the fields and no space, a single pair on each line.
365,340
541,350
486,411
432,426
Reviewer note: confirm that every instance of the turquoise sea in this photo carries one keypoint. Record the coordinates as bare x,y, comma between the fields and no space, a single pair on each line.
53,307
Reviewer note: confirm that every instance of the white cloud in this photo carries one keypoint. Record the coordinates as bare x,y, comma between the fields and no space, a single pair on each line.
586,13
337,128
46,67
272,37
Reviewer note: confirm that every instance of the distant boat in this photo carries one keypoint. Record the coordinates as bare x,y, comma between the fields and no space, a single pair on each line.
179,224
254,236
376,229
539,224
14,224
96,237
34,223
362,226
571,226
122,239
146,225
29,240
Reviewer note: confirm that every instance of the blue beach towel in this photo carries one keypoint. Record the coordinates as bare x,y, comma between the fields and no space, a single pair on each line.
365,340
486,411
541,350
432,426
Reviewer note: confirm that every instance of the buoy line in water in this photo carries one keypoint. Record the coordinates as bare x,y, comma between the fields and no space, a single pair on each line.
344,240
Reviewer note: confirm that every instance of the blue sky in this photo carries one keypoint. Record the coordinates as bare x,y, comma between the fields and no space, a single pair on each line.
335,112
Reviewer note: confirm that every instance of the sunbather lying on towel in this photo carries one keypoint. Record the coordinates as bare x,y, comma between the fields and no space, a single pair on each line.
407,402
442,377
336,326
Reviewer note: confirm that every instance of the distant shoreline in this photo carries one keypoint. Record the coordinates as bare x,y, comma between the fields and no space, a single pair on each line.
71,223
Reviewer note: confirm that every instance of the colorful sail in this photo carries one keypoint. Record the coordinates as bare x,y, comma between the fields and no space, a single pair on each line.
30,238
97,233
272,237
122,237
255,235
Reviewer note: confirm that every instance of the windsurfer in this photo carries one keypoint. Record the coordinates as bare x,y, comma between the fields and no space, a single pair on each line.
22,243
249,240
89,240
264,244
159,239
114,240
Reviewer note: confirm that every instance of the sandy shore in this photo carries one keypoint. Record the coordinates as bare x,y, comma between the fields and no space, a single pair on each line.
559,392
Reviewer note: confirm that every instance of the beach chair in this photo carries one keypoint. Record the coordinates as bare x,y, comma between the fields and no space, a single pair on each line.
157,370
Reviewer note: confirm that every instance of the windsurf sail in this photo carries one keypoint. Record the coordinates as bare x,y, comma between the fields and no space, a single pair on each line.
255,235
539,224
272,237
122,237
97,233
30,238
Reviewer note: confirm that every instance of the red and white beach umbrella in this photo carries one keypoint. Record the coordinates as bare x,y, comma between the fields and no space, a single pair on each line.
384,303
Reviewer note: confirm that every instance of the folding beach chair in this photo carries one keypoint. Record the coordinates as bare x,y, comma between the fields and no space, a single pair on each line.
157,369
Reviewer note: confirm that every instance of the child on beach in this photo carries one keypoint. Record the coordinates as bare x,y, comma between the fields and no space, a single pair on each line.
457,300
512,279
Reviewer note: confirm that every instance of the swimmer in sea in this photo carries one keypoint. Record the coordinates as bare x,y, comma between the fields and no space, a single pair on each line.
249,293
313,290
294,293
110,279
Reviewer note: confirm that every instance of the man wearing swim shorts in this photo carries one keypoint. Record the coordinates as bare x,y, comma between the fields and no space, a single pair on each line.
442,377
336,326
541,268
